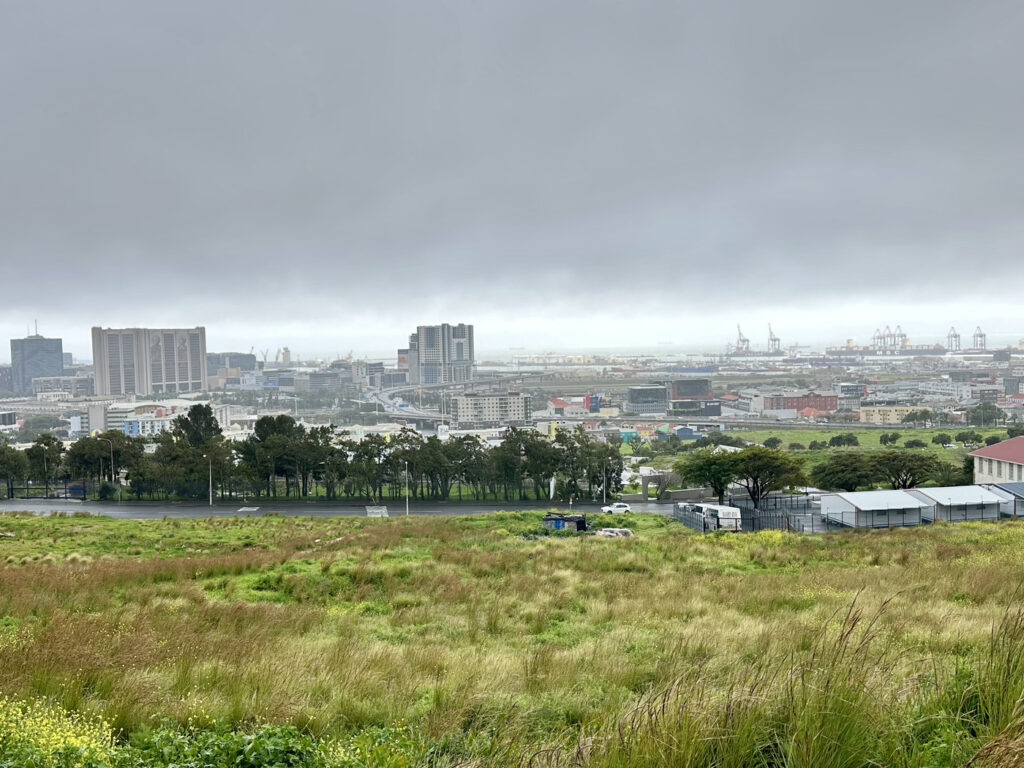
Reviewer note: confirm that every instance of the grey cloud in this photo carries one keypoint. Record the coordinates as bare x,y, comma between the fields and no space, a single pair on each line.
465,151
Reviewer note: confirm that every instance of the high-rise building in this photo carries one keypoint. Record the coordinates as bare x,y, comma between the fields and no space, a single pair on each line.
146,361
33,357
440,354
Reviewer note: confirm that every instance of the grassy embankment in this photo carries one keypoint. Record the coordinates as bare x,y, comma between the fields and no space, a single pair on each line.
478,640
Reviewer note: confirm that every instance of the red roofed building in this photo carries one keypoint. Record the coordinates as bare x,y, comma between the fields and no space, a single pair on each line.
1000,463
559,407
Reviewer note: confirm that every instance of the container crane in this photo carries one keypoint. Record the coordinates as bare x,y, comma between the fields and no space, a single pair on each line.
979,340
742,342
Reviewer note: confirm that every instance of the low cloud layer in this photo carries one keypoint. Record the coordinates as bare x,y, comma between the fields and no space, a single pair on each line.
329,174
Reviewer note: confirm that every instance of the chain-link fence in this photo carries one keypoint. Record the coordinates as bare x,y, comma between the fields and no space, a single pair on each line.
751,521
803,514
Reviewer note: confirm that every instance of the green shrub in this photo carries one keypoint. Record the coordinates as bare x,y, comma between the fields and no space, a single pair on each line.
265,747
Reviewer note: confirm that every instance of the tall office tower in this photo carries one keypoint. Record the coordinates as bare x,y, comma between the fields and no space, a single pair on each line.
35,357
441,354
146,361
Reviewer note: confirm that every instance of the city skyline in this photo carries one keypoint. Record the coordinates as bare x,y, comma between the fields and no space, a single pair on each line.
380,347
569,176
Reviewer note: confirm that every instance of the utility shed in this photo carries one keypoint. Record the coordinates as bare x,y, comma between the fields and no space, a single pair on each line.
872,509
561,522
958,502
1012,495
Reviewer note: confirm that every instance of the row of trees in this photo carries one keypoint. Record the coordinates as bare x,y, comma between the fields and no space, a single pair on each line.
762,470
758,469
896,469
284,459
981,415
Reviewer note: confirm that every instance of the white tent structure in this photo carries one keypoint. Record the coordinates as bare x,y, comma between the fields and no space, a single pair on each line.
873,509
1012,495
958,503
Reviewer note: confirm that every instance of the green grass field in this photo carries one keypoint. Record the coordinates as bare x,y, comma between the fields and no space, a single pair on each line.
868,438
486,641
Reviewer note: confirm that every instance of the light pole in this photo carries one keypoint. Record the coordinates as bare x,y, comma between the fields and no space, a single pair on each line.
323,476
111,444
406,488
209,457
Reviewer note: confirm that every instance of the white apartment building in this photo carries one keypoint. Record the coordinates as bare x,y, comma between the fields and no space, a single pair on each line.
148,425
508,409
145,418
145,361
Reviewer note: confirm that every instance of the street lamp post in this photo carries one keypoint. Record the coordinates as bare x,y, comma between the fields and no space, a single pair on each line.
209,457
111,444
406,488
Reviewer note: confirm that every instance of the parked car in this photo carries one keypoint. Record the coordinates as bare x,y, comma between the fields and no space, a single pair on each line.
618,506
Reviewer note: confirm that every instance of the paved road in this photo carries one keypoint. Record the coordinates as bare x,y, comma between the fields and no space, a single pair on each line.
158,510
409,410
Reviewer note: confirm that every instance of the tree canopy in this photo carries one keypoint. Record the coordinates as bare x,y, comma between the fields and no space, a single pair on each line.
985,414
198,427
904,469
845,471
762,470
708,468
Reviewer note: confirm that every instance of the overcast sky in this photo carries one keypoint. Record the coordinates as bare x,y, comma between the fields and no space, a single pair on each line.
563,173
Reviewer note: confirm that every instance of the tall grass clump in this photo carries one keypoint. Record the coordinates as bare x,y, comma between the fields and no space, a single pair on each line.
841,706
837,707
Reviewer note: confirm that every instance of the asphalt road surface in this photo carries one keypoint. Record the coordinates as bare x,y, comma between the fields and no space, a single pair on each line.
157,510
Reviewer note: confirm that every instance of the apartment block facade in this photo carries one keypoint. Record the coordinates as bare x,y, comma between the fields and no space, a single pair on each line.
72,386
146,361
886,414
484,410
